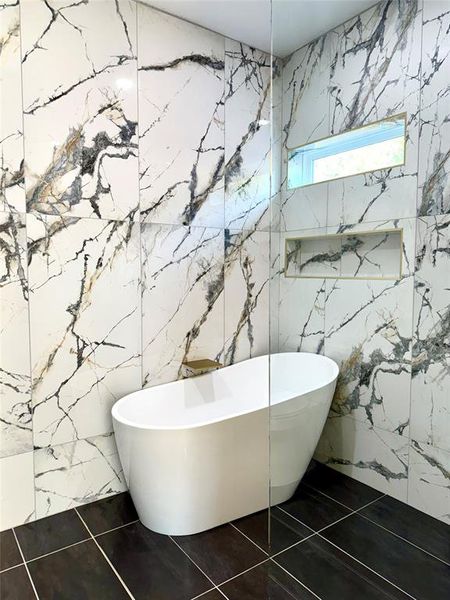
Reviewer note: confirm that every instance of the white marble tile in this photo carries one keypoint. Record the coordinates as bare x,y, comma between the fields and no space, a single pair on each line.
368,332
376,74
434,149
181,121
247,137
274,291
182,298
15,381
430,395
76,473
375,457
85,323
12,190
80,113
428,483
247,281
16,490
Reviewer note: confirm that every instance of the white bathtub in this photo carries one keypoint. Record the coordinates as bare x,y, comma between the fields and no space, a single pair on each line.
195,453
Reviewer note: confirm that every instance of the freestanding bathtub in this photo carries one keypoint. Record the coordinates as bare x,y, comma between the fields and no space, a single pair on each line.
196,452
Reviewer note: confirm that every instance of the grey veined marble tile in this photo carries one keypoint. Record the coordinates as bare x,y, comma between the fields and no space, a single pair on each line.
84,277
181,121
80,121
430,402
434,152
12,191
15,380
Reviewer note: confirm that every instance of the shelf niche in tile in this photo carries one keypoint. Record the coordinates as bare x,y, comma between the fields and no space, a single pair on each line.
359,255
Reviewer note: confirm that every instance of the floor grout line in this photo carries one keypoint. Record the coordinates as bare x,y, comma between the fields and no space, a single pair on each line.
311,487
297,580
96,535
25,565
242,572
249,539
11,568
367,567
106,558
59,550
192,561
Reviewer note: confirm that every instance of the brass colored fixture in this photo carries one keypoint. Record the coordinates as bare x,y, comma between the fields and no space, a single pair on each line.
198,367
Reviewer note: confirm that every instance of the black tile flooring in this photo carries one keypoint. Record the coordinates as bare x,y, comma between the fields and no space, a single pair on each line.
335,539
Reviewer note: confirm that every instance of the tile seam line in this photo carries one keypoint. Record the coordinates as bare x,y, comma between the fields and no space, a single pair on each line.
297,580
249,539
96,535
11,568
369,568
114,570
338,501
193,562
26,566
219,585
30,560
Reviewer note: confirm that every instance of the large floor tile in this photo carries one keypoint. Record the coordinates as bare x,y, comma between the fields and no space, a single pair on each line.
314,509
416,572
417,527
9,552
331,574
284,530
50,534
338,486
76,573
265,582
15,585
108,513
222,552
152,566
212,595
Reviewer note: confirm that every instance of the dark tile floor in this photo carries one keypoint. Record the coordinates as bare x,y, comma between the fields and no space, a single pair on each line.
337,539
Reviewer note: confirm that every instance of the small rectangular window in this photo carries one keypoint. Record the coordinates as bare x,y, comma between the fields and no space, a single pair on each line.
379,145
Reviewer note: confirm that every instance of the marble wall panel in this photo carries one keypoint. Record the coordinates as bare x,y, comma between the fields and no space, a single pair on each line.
374,456
182,298
181,121
75,473
15,381
12,191
247,280
247,137
80,113
17,490
85,323
434,149
430,386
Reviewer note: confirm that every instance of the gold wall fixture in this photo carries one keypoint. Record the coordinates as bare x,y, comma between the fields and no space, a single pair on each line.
371,255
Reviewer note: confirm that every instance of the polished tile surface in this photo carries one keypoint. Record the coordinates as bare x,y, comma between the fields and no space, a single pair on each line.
314,509
79,572
151,565
380,550
414,526
9,552
338,486
222,552
408,567
266,582
108,513
284,530
333,574
15,585
50,534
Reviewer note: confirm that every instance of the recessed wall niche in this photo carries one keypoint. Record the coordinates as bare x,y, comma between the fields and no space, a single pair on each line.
361,255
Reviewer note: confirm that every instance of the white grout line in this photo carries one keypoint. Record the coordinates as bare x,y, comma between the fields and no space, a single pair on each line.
311,487
294,544
59,550
11,568
242,572
297,580
25,565
366,566
115,528
193,562
106,557
249,539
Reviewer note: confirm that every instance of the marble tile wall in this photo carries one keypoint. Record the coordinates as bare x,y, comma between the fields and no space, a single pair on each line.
389,423
134,214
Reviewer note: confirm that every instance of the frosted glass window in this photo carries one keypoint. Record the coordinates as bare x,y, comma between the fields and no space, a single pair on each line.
380,145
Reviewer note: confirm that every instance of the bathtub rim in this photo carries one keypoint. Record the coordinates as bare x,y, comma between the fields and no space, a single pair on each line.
179,428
